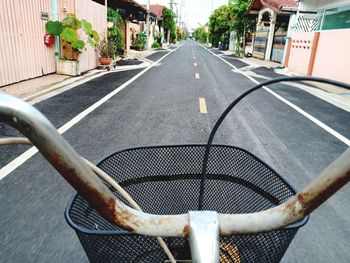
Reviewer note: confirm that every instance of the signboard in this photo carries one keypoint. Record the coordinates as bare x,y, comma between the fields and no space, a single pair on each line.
44,15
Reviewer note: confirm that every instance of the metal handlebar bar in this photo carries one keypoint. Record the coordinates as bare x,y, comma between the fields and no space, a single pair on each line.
34,125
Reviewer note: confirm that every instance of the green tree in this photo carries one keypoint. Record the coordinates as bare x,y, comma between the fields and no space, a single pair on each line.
220,24
181,33
169,24
242,23
200,34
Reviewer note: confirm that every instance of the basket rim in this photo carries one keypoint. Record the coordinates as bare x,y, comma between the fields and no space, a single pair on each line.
85,230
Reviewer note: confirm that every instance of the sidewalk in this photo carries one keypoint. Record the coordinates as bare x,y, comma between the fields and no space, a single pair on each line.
337,96
28,88
32,89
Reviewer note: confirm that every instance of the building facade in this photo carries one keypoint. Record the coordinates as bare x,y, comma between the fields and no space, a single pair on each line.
318,39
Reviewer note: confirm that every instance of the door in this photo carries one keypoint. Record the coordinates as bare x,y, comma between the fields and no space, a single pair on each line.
260,43
279,42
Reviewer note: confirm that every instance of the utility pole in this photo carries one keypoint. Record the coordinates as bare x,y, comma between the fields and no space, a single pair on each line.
147,24
182,3
172,4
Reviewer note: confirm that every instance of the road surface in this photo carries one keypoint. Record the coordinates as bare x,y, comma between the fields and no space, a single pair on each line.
161,106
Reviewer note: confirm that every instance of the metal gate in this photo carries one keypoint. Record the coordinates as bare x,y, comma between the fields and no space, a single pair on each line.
279,42
260,43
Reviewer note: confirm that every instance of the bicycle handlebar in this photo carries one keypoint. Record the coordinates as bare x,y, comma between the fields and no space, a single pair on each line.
34,125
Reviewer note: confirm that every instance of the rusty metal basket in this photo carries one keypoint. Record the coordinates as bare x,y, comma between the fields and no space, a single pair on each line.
166,180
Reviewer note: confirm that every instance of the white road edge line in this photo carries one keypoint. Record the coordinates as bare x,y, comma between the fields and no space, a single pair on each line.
296,108
14,164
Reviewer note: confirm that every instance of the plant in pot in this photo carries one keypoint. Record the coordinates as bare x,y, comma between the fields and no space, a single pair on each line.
72,44
138,41
107,50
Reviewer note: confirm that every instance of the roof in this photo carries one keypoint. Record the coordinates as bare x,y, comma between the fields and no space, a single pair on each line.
132,3
128,3
275,5
156,9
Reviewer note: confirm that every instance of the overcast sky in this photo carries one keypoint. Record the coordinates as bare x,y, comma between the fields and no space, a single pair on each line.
195,11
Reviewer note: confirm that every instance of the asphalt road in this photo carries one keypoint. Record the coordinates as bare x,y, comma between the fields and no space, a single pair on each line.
162,107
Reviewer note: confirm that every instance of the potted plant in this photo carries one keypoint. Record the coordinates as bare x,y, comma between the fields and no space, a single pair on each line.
107,50
72,44
138,41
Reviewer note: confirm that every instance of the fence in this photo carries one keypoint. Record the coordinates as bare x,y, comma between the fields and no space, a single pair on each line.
323,54
23,54
96,14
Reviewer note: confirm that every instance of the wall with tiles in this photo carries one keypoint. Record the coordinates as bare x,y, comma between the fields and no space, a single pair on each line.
300,45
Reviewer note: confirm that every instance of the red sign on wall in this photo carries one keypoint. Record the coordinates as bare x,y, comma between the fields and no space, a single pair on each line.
49,40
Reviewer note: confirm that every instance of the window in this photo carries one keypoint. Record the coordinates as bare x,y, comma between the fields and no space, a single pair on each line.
335,18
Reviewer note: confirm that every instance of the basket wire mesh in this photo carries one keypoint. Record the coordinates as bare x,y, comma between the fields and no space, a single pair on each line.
166,180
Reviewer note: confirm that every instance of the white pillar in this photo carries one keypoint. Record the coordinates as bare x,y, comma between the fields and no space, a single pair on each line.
289,32
162,34
271,35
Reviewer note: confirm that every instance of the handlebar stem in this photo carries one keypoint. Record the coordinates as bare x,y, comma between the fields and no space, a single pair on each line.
204,236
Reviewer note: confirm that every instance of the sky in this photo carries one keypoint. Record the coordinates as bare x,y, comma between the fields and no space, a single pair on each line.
196,12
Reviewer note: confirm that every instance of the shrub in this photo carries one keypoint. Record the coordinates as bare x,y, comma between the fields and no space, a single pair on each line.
72,43
155,45
114,33
139,40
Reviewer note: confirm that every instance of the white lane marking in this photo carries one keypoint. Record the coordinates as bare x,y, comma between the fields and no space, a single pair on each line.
14,164
10,167
202,106
194,57
195,64
197,76
302,112
323,95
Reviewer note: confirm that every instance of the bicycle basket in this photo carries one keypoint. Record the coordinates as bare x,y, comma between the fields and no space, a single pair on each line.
166,180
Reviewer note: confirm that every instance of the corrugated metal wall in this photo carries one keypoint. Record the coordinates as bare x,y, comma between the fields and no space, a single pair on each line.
96,14
23,54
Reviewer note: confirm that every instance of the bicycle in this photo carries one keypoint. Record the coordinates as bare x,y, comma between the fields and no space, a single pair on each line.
258,229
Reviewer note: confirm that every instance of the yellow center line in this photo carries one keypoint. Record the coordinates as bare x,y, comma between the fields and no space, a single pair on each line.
202,106
197,76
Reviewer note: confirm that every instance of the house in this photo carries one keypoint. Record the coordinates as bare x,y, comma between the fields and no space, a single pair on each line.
157,25
272,28
319,39
134,16
23,52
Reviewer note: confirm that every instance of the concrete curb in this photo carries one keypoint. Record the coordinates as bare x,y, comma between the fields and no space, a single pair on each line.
59,85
